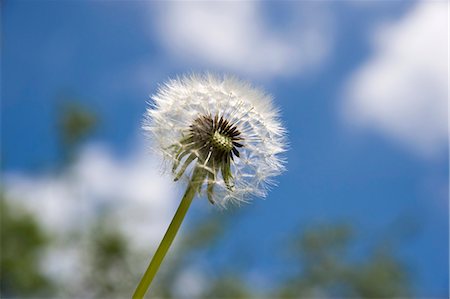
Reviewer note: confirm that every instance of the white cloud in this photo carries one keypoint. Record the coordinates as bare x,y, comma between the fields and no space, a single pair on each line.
190,283
236,36
401,90
132,189
133,193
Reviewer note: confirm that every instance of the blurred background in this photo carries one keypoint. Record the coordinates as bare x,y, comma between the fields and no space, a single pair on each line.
361,212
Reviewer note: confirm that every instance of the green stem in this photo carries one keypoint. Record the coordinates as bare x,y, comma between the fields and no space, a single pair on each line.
171,232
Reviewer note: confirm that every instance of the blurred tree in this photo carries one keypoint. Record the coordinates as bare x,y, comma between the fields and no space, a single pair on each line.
106,272
230,285
75,123
202,236
326,268
23,242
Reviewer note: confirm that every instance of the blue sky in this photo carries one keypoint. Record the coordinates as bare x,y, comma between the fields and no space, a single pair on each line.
362,88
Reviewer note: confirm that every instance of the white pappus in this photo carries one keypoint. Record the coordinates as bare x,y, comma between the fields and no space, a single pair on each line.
226,129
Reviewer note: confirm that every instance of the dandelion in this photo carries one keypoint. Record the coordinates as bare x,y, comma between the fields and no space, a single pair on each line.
222,136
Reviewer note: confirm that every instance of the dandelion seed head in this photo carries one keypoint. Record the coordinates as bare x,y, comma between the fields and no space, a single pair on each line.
224,126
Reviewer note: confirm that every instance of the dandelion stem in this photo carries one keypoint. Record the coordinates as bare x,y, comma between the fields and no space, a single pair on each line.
171,232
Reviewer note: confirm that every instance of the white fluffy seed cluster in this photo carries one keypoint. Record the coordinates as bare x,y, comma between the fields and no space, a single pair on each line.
179,102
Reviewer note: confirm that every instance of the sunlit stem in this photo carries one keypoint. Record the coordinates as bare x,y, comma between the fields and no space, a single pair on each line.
171,232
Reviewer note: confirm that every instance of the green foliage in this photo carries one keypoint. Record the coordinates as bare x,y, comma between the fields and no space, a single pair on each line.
230,285
327,268
22,244
381,277
107,273
75,123
321,256
202,236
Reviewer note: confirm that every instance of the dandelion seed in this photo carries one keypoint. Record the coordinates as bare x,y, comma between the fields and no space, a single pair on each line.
219,134
223,126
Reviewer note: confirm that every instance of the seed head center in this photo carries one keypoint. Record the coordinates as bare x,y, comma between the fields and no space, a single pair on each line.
222,142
